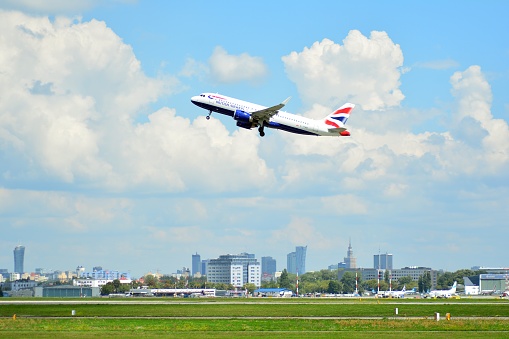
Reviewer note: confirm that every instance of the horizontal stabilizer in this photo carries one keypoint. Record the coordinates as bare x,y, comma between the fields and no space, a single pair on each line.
340,129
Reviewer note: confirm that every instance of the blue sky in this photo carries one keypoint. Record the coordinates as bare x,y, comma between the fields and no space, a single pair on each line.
105,161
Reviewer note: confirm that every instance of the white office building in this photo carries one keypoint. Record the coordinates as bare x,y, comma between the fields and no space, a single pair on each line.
237,270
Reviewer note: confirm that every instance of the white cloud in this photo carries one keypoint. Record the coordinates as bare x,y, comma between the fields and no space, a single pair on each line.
475,121
228,68
365,71
173,153
383,147
72,91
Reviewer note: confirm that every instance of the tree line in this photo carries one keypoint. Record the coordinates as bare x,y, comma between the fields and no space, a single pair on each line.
324,281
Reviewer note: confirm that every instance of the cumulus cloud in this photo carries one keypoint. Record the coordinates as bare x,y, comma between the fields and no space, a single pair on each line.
384,146
474,120
230,68
71,92
223,67
363,70
384,155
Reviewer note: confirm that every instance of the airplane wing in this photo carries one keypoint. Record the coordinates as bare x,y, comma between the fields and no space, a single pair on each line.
266,113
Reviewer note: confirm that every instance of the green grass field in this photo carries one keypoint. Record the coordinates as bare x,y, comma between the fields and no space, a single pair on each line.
267,318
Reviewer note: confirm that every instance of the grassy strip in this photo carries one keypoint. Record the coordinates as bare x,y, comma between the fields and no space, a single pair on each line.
83,328
257,310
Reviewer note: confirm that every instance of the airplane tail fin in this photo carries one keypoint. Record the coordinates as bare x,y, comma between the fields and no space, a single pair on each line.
337,119
454,287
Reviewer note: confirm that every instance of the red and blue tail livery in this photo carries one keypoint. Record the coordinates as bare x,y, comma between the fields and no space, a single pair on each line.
249,115
338,118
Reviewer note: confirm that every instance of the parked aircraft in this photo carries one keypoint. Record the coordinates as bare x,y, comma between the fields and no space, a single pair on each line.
249,115
443,293
398,294
403,292
394,294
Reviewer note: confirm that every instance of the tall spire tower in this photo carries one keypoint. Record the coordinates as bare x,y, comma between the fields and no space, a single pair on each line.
350,260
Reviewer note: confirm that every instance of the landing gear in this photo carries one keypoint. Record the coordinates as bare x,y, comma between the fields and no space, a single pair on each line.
262,132
208,116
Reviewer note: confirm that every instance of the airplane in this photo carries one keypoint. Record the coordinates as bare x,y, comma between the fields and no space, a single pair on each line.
399,294
443,293
403,292
249,115
393,294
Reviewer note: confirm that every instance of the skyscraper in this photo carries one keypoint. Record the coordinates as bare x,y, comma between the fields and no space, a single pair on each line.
300,252
19,257
268,268
291,262
196,268
296,261
382,261
350,260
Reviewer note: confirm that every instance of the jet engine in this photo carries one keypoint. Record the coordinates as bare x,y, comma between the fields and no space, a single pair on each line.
244,119
247,125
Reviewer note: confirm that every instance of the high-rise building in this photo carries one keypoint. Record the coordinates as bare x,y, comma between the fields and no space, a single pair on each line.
382,262
196,267
296,261
300,252
234,269
268,268
350,260
204,264
19,258
291,262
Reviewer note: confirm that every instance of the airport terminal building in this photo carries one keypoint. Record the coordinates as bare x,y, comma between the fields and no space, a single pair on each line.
373,273
489,283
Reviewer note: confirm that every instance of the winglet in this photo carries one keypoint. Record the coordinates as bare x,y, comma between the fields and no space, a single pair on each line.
286,101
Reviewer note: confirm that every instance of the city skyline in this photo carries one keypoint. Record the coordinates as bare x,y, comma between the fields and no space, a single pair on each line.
105,160
385,260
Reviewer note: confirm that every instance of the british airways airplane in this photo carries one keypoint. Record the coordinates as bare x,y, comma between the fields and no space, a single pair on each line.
249,115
